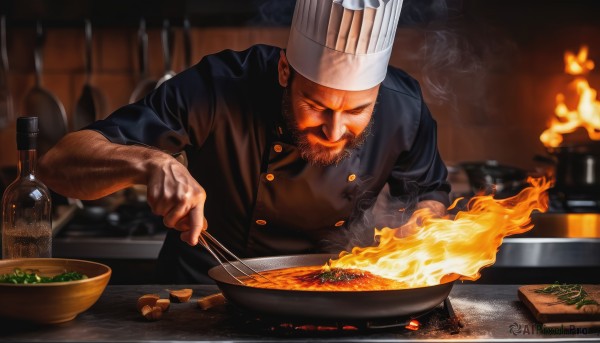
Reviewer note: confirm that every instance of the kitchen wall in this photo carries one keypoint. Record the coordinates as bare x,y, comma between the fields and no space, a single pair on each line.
490,70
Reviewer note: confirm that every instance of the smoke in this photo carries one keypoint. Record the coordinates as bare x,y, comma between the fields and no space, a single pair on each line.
273,13
370,214
459,50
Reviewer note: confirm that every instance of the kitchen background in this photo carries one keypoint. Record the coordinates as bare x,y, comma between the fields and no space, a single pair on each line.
490,70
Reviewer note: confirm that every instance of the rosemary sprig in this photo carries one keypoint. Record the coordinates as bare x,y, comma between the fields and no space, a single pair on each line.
569,294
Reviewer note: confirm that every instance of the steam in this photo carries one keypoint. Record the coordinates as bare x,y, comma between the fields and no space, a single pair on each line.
273,12
457,54
385,211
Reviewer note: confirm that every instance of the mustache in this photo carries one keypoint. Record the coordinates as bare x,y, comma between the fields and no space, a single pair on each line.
318,131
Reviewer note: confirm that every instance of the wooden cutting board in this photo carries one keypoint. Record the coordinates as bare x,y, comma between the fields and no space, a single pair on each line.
541,307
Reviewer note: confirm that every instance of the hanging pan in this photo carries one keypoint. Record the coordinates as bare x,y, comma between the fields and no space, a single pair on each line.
145,84
167,47
91,104
187,44
45,105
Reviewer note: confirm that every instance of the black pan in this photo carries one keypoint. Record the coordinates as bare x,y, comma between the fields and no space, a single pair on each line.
167,47
90,105
343,305
45,105
146,84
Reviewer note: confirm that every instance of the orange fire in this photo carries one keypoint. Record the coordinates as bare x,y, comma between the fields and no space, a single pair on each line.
444,249
587,113
413,325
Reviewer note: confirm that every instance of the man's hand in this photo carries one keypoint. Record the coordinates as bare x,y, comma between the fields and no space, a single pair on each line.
174,194
426,208
85,165
437,208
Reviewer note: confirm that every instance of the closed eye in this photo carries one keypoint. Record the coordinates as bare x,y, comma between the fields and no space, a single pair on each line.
358,110
314,107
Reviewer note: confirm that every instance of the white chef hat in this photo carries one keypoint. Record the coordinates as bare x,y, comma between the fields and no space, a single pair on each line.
343,44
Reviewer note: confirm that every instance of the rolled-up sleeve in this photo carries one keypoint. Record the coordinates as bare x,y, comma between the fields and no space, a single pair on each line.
162,118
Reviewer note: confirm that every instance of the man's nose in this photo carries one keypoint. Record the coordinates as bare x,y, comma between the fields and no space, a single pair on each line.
334,129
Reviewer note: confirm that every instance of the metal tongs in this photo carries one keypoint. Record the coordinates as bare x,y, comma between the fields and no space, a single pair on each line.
219,252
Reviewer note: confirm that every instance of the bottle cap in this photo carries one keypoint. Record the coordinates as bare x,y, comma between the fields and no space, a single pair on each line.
27,132
27,125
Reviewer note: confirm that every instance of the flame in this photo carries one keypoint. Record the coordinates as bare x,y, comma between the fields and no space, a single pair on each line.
587,113
578,64
444,249
413,325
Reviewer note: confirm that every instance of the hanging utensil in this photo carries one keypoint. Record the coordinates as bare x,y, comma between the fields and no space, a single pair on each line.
167,47
187,44
146,84
45,105
90,105
6,103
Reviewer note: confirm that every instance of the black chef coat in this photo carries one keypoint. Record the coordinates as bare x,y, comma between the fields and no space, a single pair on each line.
262,197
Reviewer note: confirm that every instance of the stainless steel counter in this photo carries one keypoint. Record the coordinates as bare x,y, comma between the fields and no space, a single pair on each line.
135,247
541,255
514,252
549,252
489,313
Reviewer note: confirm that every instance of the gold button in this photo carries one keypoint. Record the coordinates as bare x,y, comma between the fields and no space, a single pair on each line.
351,177
277,148
261,222
340,223
270,177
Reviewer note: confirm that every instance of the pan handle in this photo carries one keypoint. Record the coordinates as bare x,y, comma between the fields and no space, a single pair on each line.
187,43
143,48
167,44
544,159
88,50
37,53
3,53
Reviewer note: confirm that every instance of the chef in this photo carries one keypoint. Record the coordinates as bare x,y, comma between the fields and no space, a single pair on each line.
281,149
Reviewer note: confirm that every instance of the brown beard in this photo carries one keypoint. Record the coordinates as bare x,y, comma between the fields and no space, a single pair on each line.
318,154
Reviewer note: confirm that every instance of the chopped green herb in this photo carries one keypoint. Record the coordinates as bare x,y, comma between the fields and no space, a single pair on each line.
19,276
570,294
336,275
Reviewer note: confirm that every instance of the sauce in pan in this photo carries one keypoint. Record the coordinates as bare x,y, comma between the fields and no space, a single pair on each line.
318,278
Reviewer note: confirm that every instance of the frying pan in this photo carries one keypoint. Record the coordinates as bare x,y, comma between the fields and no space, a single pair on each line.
145,85
6,103
90,105
343,305
167,47
45,105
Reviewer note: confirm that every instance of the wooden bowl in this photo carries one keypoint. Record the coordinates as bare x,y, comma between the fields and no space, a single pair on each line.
53,302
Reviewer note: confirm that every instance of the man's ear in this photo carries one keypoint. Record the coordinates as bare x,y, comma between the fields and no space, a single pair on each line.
283,67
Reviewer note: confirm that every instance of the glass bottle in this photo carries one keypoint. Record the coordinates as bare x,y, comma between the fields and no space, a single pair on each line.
26,203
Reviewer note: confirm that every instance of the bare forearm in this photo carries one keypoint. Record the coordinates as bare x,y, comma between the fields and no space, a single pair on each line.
436,207
85,165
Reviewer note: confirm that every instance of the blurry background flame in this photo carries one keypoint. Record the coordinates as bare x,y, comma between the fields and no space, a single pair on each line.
444,249
587,113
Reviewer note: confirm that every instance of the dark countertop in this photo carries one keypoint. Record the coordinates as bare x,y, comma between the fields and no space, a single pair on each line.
487,311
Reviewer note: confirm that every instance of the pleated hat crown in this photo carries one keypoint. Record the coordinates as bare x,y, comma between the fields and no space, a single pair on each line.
343,44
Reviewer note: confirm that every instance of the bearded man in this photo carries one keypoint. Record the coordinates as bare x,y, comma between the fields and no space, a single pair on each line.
283,147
